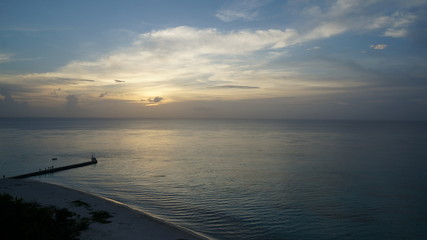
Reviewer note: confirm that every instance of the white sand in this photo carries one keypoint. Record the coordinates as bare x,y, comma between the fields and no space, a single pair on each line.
126,223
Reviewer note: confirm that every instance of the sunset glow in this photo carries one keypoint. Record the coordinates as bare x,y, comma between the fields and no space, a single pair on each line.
272,59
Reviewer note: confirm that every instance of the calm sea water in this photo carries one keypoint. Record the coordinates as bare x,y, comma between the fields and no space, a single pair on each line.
241,179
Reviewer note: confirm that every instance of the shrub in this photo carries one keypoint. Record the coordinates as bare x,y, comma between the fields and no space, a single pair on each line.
29,220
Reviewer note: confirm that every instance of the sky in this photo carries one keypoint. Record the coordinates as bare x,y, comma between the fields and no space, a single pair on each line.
295,59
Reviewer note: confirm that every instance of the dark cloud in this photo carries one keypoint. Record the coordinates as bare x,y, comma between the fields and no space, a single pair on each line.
14,89
235,87
154,100
73,80
55,92
103,94
119,81
72,102
9,107
7,98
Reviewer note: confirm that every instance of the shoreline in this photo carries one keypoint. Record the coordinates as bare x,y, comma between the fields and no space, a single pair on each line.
127,223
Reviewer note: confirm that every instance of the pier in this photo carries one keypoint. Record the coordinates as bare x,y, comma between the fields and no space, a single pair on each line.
52,170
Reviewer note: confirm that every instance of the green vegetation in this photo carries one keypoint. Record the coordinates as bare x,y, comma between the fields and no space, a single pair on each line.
79,203
29,220
100,216
97,216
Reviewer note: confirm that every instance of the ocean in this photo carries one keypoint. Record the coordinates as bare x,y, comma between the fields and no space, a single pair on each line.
240,179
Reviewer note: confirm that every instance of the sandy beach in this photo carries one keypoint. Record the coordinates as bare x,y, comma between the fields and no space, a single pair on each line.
126,223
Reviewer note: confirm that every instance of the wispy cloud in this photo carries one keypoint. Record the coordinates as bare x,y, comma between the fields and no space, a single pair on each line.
210,63
315,48
241,10
5,57
234,87
8,57
169,61
398,24
361,15
166,62
213,41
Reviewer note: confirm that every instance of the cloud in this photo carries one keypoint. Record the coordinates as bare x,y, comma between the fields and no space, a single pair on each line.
228,15
378,46
235,87
196,41
5,57
7,98
315,48
398,24
103,94
9,107
169,61
72,103
55,92
180,58
341,16
241,10
200,57
324,30
205,62
395,33
49,77
154,100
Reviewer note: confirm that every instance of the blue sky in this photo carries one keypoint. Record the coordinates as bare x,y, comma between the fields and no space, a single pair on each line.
335,59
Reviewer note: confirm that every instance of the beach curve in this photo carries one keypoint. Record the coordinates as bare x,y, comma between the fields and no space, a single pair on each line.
126,223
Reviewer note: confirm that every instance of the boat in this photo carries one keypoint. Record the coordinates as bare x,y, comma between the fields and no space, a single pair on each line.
54,159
